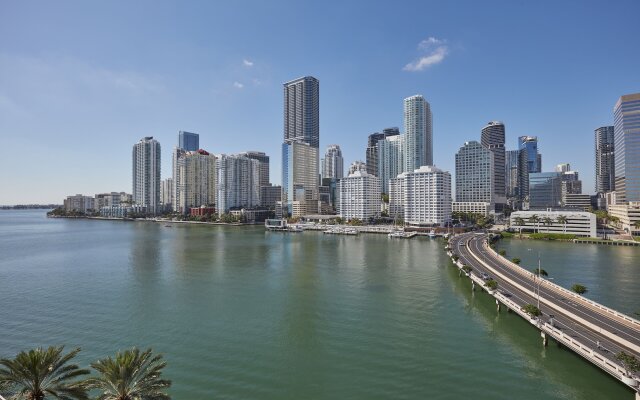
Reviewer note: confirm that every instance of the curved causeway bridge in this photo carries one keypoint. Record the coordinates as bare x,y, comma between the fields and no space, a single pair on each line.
592,330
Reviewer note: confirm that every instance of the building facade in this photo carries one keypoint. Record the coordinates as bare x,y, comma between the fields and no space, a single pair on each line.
357,166
545,190
270,195
166,194
372,148
578,223
79,203
238,182
426,196
390,159
299,179
628,216
511,173
533,158
605,159
333,163
360,196
188,141
418,133
474,207
197,173
146,174
263,162
493,138
626,132
302,111
474,173
110,199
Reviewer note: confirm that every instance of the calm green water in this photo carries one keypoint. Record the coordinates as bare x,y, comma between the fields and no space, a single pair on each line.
244,314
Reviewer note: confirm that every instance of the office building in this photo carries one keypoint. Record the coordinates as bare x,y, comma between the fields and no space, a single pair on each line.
270,195
474,173
238,182
493,138
166,194
302,111
79,203
110,199
424,196
605,159
545,190
626,132
390,159
360,196
263,162
533,158
418,133
628,216
357,166
582,202
372,148
299,179
578,223
333,163
197,173
146,174
512,173
571,184
188,141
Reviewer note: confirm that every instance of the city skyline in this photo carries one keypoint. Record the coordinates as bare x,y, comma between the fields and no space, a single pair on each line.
60,94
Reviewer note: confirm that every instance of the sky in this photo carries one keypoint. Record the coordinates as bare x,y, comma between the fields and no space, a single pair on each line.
81,82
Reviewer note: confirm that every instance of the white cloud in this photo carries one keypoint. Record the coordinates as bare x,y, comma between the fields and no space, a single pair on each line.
436,50
238,85
247,63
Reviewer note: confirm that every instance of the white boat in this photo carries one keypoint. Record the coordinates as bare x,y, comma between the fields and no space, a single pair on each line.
432,234
402,235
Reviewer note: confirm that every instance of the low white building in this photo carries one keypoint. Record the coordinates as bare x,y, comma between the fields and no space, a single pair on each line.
475,207
79,203
580,223
360,196
424,196
122,210
628,216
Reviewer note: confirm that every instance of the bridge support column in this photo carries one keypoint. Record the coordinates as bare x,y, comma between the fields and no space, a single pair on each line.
473,285
637,395
498,305
545,339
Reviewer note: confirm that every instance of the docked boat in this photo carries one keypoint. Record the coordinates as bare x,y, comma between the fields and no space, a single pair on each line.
402,235
432,234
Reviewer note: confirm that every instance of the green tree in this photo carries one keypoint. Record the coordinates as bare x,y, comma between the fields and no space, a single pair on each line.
540,271
42,373
516,260
520,223
629,362
492,284
547,222
385,198
534,219
502,252
532,310
131,375
578,288
562,219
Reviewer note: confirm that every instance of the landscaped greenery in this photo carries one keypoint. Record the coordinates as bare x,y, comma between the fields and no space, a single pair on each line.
506,234
516,260
502,252
578,288
552,236
467,269
540,271
492,284
532,310
48,374
629,362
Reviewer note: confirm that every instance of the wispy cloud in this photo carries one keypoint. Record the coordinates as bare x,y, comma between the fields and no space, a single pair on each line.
247,63
435,50
238,85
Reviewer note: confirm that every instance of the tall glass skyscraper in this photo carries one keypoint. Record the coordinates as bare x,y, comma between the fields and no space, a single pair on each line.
333,163
302,111
418,133
545,190
372,148
188,141
146,174
492,138
605,159
626,117
511,173
534,159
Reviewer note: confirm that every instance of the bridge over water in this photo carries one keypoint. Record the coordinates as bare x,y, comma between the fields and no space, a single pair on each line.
595,332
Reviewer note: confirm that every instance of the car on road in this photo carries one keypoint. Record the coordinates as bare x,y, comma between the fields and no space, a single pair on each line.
485,276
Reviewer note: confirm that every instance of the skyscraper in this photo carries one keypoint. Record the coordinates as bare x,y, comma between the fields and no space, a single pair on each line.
188,141
237,183
545,190
302,111
197,173
418,133
425,196
533,158
146,174
357,166
626,132
333,163
390,159
372,148
300,156
492,138
263,161
511,173
605,159
474,173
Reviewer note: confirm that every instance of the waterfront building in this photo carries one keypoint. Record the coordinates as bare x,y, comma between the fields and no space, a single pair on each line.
166,194
511,173
580,223
579,201
533,158
523,177
372,148
302,111
110,199
79,203
263,162
252,215
570,182
628,216
175,176
357,166
201,211
426,196
626,132
334,194
476,207
390,159
270,195
493,138
197,177
299,179
396,196
545,190
605,159
237,183
360,196
146,174
333,163
474,173
188,141
418,133
122,210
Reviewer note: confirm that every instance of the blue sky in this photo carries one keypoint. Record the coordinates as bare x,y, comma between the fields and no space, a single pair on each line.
81,82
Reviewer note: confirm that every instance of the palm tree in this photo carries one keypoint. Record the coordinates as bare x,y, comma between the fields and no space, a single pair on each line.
562,219
548,222
541,272
636,224
534,219
578,288
520,222
42,373
131,375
